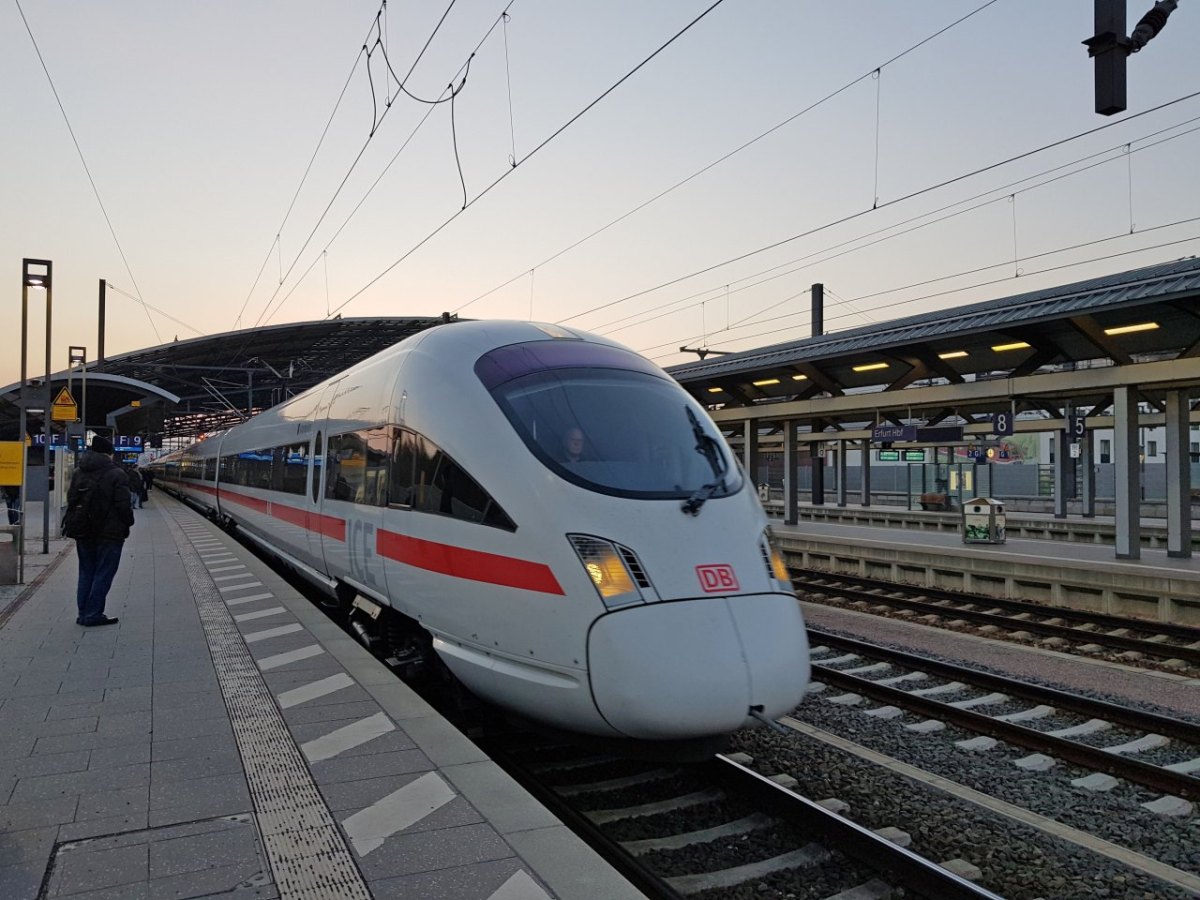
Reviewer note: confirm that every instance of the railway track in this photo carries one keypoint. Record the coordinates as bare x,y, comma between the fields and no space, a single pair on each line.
1097,735
718,829
1134,641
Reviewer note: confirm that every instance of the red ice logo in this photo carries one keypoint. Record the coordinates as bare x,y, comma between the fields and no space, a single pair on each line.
717,579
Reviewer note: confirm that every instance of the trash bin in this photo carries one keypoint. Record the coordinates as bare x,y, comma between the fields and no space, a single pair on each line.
8,554
983,521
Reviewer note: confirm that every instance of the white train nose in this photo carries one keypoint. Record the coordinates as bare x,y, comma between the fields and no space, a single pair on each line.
695,667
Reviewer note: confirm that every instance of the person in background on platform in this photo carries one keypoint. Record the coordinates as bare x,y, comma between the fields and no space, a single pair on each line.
147,480
12,499
136,488
100,555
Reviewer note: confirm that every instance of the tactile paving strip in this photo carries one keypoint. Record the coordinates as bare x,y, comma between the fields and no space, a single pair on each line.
309,857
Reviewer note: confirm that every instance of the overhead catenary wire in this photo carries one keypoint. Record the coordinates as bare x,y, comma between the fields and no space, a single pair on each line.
850,217
957,208
166,315
353,165
346,221
732,153
545,142
87,170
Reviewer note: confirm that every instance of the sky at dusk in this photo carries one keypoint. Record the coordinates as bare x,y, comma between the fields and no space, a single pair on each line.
659,187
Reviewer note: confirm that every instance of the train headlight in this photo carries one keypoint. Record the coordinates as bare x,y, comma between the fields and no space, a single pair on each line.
606,569
776,567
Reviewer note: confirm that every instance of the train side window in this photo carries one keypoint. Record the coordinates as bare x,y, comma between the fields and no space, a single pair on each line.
404,452
378,443
346,463
317,456
460,495
295,468
427,496
210,469
498,518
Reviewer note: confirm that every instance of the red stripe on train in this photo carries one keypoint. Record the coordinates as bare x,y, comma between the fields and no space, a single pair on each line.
474,565
329,526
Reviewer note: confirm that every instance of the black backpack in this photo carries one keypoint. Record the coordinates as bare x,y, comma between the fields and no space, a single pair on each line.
86,510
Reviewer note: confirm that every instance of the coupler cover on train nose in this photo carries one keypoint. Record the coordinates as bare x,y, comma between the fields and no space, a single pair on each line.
693,668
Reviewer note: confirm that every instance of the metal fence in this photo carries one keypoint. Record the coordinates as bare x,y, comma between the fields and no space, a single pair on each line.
1014,481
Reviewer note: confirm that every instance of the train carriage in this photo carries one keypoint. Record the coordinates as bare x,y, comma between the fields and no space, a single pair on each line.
548,512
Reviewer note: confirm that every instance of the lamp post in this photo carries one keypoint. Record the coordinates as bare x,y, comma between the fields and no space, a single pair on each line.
77,356
36,274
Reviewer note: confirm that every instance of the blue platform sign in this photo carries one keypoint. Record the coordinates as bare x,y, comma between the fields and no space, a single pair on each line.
894,433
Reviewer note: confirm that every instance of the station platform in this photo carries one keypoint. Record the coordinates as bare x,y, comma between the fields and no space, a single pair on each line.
225,738
1043,569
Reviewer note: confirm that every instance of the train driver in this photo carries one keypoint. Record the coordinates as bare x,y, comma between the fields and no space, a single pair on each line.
572,445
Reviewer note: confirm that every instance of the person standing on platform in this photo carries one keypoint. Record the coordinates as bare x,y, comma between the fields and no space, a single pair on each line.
99,499
12,499
136,488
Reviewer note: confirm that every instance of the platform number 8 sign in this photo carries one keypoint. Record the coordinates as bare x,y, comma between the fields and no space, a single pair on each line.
1002,423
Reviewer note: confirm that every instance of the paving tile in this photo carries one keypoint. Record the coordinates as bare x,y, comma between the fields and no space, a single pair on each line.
185,801
194,728
476,882
99,804
211,881
332,712
193,767
28,845
46,764
194,853
89,740
186,748
36,685
74,783
22,880
424,851
139,891
15,748
351,796
332,771
78,868
387,743
76,831
121,755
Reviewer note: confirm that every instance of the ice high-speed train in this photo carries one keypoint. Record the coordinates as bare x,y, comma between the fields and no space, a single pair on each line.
547,511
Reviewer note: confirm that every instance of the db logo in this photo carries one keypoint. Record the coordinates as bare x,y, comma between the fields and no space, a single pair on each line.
717,579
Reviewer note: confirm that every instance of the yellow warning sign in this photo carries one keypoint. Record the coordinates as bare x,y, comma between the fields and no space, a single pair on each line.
12,463
64,408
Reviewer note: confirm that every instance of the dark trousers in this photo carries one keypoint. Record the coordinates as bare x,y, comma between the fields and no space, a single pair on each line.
98,561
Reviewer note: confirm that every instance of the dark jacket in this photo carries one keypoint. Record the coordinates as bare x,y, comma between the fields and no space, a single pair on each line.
114,488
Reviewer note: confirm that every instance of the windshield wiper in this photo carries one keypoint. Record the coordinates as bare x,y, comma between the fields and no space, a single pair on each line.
706,446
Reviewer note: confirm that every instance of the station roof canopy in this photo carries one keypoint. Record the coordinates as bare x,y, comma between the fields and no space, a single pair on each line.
1142,315
188,387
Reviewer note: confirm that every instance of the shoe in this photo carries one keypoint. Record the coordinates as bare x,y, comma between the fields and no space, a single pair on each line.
103,620
78,621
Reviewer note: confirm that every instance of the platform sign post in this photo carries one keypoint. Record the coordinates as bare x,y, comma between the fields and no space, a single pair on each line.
64,408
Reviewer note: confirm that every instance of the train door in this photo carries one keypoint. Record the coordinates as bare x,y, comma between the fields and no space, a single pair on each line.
316,488
355,493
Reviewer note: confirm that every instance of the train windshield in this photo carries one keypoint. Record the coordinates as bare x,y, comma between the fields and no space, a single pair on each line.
621,432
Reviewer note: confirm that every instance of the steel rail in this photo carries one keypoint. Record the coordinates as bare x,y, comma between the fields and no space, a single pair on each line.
1114,712
1168,651
1172,629
1094,758
923,876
